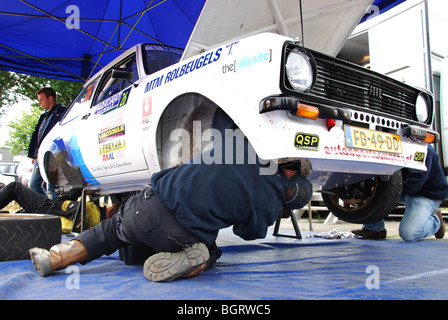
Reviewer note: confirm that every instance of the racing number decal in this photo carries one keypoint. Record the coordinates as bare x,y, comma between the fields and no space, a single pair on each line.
124,98
306,141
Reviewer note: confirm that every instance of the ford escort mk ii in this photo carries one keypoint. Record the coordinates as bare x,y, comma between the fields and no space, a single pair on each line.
347,129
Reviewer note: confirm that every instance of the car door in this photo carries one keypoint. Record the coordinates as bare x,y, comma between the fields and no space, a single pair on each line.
107,134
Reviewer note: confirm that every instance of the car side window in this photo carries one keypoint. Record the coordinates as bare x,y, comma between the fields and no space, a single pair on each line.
87,93
84,96
110,86
156,57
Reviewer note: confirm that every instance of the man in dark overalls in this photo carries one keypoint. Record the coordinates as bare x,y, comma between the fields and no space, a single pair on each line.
65,206
33,202
180,216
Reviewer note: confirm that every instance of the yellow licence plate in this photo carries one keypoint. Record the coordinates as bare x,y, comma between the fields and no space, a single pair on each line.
372,140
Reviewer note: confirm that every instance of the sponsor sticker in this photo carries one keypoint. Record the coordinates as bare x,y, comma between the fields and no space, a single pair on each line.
112,146
306,141
111,133
419,157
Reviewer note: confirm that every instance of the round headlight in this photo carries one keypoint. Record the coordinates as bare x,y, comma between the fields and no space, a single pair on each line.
299,70
422,108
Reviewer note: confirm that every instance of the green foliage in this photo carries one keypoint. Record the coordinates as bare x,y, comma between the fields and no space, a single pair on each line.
15,86
21,131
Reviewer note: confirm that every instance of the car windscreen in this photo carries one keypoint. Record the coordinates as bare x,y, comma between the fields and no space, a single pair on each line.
156,58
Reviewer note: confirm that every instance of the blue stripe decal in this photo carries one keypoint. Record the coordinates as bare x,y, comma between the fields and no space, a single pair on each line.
79,161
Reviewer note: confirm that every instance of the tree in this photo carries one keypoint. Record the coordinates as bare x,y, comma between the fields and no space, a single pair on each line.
16,86
22,130
6,98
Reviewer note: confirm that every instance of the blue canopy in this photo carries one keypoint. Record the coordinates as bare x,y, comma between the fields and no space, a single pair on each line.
380,6
73,39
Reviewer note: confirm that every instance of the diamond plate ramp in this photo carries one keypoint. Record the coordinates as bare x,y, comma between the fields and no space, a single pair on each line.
21,232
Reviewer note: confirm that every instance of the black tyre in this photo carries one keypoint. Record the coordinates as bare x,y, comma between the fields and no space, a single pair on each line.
21,232
365,202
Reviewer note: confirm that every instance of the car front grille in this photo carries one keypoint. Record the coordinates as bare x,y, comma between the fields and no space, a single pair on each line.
363,89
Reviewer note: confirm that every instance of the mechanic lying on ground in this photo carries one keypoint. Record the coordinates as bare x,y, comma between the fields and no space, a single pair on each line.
423,191
65,207
180,216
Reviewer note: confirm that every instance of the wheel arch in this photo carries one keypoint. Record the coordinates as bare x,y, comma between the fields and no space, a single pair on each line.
59,172
178,138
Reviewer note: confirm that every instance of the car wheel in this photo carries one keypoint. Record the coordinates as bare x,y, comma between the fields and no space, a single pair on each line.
21,232
365,202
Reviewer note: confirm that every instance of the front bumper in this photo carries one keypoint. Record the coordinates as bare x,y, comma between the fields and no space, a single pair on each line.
298,108
294,105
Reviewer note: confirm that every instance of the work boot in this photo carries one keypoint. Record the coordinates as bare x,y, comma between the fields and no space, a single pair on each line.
441,232
168,266
112,210
58,257
369,234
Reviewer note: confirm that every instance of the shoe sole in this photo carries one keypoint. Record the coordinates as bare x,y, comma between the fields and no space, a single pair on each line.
41,261
441,232
168,266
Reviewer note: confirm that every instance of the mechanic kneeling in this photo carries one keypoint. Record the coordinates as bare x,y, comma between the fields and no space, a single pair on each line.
180,216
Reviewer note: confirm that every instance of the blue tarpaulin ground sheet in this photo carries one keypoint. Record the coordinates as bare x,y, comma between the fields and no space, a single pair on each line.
278,268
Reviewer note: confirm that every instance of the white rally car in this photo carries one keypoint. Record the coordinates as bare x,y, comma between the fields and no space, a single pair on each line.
347,129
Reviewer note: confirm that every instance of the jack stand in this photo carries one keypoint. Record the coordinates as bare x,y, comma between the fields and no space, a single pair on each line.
80,212
291,215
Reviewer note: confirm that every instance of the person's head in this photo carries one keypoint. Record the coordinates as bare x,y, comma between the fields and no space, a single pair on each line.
299,190
47,98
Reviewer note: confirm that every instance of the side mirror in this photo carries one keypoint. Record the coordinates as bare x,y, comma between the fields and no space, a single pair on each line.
123,74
